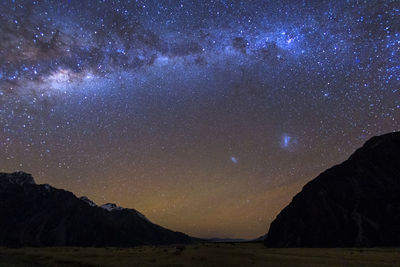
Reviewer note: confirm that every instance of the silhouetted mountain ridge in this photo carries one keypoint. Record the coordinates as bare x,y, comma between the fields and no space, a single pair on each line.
353,204
41,215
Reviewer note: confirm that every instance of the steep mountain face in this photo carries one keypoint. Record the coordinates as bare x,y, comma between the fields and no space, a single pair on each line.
40,215
354,204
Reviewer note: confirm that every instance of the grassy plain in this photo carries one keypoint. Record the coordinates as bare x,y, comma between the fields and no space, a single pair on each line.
205,254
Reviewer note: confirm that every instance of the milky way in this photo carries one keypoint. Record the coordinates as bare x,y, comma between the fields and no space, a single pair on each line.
207,116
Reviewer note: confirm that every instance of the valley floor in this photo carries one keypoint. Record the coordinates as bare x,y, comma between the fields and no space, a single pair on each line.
208,254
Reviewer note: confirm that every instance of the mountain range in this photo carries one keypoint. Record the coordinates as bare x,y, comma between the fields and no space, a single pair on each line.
41,215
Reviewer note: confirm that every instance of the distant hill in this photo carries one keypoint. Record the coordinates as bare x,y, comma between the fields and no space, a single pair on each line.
41,215
353,204
260,238
225,240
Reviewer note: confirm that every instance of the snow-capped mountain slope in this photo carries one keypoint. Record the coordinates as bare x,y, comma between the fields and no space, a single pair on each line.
88,201
111,207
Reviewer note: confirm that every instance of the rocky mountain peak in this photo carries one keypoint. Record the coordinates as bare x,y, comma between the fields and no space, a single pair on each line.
19,178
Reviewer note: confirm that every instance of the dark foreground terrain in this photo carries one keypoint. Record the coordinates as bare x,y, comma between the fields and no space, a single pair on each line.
209,254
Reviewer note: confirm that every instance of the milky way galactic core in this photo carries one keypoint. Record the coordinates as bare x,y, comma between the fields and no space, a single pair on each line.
206,116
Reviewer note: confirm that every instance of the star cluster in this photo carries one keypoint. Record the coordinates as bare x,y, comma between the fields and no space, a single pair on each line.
207,116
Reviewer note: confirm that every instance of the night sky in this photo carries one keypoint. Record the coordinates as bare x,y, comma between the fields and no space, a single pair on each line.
206,116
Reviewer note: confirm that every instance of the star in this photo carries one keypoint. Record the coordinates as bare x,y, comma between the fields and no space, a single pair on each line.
234,160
